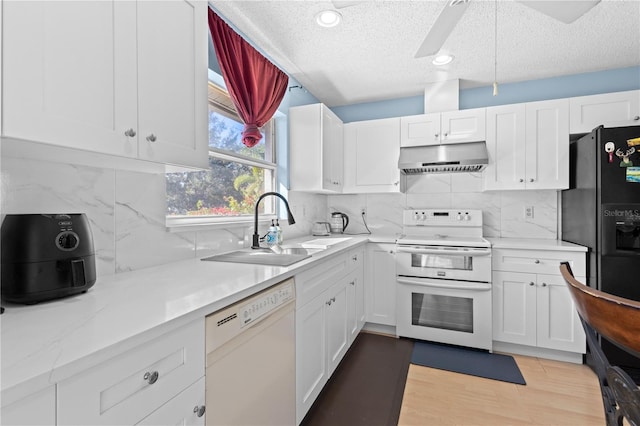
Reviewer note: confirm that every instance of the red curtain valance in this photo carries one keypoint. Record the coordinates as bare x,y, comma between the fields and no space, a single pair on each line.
255,85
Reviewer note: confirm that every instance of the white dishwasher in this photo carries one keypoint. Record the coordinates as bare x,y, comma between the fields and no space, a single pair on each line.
250,375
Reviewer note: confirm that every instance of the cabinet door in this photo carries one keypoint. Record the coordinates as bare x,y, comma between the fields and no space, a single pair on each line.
311,354
69,74
372,149
416,130
336,324
505,145
463,126
36,409
547,145
172,82
332,151
514,308
186,409
355,305
381,284
608,109
558,325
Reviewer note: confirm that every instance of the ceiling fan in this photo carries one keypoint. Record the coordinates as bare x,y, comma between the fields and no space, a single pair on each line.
565,11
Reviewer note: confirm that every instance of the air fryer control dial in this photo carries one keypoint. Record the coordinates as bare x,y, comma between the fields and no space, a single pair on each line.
67,240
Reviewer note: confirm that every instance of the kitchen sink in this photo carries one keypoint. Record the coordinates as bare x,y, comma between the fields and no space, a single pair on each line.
264,256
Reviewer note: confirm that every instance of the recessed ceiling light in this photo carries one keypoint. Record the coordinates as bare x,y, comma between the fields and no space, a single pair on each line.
328,18
442,59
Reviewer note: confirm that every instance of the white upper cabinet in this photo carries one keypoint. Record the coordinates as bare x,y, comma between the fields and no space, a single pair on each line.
371,152
528,146
608,109
447,127
315,149
106,76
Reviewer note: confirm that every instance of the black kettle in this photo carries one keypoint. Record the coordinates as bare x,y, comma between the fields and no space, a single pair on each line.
339,222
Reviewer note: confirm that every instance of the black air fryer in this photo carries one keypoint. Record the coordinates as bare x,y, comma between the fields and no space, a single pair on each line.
46,256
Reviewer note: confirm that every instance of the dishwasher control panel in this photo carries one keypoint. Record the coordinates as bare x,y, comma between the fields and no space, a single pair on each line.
263,303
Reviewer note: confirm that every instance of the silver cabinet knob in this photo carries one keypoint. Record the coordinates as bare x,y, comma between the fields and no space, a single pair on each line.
151,377
536,261
446,134
328,302
437,135
152,138
352,283
636,118
521,180
532,284
531,180
544,284
199,410
130,133
355,258
396,183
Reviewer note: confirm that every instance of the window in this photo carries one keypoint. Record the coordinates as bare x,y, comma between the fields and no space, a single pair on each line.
237,175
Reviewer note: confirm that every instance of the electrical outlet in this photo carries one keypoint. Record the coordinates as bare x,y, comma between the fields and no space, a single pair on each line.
528,212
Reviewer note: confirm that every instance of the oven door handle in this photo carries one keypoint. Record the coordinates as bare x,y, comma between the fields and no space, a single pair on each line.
445,284
418,250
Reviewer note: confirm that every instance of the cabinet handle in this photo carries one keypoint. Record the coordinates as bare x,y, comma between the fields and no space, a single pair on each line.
536,261
355,258
199,410
532,284
130,133
333,299
328,302
544,284
521,180
636,118
391,252
152,138
396,183
352,283
437,135
531,180
151,377
446,134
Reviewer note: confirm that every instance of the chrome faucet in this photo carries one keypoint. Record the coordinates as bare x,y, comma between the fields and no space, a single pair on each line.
290,219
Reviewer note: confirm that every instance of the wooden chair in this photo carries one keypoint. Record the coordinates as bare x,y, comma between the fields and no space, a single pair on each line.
617,319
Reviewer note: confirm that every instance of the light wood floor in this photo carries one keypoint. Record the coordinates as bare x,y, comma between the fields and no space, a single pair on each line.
556,393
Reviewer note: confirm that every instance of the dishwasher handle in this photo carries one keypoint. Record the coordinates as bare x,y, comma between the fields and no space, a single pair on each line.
456,285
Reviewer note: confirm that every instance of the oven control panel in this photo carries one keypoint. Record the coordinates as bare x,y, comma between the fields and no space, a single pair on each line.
442,217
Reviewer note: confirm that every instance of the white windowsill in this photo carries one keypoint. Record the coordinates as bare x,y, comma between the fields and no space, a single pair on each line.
189,224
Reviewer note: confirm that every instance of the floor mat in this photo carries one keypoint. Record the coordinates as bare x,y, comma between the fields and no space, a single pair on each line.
367,387
467,361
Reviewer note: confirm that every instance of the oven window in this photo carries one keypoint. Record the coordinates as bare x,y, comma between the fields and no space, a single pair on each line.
628,236
443,312
439,261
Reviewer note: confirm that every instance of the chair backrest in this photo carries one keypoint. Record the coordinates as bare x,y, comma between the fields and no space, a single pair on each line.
616,318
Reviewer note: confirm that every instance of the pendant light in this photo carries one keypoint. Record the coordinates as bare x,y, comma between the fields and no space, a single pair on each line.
495,52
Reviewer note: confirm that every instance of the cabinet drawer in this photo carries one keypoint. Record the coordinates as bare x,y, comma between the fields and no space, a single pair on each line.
127,388
312,282
185,409
537,261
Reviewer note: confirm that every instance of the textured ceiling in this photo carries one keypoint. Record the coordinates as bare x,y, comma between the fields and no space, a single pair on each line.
370,56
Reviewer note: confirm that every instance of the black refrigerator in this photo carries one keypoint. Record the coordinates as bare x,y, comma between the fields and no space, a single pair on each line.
601,210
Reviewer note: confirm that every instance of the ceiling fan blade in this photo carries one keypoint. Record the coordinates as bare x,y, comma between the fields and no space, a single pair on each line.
341,4
443,26
564,11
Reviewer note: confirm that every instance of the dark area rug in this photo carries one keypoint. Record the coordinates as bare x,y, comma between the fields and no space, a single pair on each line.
467,361
367,387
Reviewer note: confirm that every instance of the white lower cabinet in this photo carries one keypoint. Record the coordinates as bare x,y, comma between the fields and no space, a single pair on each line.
380,277
536,309
129,387
326,324
186,409
36,409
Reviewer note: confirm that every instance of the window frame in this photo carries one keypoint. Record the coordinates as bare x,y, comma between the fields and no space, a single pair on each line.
269,130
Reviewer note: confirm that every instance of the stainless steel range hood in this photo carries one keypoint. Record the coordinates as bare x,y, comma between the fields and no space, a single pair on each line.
445,158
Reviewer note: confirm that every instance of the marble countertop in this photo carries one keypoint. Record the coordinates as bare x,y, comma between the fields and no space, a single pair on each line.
534,244
45,343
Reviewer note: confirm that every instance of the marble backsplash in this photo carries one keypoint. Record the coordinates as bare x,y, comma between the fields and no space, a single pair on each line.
126,210
503,211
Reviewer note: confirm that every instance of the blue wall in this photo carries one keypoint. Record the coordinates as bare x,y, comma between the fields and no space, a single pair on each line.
615,80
